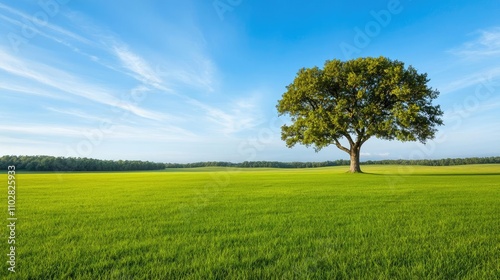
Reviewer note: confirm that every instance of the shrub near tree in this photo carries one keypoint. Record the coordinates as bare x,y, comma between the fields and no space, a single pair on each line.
356,100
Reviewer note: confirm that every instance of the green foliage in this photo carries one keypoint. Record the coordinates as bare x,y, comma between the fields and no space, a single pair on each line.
394,223
356,100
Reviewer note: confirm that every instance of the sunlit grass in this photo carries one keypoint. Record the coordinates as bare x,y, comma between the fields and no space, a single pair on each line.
394,222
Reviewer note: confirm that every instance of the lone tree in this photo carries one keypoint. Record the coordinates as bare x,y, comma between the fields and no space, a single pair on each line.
357,100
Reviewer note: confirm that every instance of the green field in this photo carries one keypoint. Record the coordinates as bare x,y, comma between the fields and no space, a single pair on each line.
392,222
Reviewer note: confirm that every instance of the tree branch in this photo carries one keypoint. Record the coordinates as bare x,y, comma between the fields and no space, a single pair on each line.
337,143
313,103
349,138
361,137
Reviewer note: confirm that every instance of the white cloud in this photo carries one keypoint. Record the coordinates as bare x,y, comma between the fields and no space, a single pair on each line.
480,60
180,66
459,114
33,24
189,69
189,66
68,83
163,133
130,61
115,132
76,113
18,140
43,130
487,78
30,90
242,114
138,66
487,45
195,72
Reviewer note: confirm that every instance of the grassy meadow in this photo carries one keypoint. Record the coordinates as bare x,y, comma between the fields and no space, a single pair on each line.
393,222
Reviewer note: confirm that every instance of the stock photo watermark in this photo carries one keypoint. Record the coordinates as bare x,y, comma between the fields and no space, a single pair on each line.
225,6
95,137
248,148
29,28
469,105
363,36
253,145
12,218
482,93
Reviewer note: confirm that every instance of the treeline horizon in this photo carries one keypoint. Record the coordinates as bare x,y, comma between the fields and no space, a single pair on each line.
51,163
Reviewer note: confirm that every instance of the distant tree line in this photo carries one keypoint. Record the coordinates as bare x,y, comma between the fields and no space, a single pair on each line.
259,164
278,164
438,162
50,163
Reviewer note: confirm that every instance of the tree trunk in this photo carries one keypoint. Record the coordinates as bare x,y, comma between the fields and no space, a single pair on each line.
355,168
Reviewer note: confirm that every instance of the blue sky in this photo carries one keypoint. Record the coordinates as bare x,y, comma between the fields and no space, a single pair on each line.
185,81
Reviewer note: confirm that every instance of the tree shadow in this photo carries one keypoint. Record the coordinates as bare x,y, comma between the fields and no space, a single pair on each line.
433,174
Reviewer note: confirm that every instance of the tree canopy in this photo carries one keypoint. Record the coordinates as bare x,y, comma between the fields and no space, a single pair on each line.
356,100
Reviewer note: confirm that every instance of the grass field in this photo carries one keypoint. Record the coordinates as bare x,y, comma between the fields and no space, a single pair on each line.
390,223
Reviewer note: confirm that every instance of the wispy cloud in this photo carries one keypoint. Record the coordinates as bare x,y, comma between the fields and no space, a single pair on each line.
457,113
46,25
21,141
197,73
76,113
164,133
43,130
183,62
93,91
487,45
68,83
240,116
480,58
185,66
486,77
9,86
138,67
76,42
78,133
